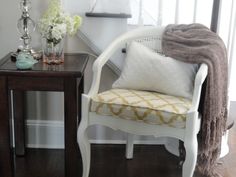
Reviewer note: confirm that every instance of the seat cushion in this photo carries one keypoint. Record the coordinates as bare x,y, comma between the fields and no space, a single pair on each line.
143,106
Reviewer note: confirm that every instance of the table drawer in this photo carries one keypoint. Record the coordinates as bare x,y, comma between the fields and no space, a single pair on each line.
35,83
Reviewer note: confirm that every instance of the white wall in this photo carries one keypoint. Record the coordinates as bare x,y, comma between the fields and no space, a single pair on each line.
9,39
44,109
47,107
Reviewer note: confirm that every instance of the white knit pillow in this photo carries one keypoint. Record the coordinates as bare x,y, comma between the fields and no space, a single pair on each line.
145,69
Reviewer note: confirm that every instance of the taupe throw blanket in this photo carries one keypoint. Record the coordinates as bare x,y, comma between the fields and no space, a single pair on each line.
195,43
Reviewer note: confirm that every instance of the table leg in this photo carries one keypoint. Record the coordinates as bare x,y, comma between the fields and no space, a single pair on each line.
72,154
80,92
6,162
19,122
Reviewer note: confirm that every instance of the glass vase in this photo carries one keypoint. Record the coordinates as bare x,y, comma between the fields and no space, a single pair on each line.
53,53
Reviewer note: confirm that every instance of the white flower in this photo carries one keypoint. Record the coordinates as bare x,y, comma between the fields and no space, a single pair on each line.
55,24
59,31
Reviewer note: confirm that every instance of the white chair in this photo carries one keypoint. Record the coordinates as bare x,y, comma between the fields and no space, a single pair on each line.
151,37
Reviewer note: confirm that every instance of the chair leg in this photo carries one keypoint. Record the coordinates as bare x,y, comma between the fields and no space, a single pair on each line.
130,146
181,154
85,149
190,158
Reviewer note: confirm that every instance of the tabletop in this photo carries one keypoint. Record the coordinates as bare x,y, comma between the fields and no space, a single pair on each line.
73,66
67,77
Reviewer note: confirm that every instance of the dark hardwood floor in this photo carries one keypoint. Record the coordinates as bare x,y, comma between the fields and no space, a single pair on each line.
109,161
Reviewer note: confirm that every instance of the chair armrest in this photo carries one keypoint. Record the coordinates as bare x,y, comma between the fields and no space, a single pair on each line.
100,62
199,79
118,43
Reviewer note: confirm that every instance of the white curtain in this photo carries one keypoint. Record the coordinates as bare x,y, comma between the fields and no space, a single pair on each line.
227,31
163,12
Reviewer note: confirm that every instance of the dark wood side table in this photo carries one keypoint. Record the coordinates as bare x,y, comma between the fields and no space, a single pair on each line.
67,78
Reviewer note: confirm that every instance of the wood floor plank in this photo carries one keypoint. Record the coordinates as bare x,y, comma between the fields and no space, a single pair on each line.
110,161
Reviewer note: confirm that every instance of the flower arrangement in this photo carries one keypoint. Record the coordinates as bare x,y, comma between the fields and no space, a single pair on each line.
55,23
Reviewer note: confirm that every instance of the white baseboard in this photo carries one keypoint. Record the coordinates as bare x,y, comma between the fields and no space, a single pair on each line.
45,134
50,134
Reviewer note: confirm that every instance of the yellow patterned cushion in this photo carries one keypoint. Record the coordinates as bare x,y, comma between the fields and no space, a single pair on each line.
144,106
